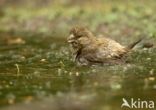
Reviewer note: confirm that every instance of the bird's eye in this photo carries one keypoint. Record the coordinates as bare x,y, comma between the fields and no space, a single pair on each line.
74,43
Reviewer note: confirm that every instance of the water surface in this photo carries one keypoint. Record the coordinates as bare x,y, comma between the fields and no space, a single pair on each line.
37,72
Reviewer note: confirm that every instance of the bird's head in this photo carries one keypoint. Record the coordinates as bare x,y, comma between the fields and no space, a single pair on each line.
79,36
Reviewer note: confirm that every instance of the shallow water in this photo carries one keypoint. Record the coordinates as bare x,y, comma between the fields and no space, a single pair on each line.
39,73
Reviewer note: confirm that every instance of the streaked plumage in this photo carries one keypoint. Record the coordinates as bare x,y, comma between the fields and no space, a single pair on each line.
89,49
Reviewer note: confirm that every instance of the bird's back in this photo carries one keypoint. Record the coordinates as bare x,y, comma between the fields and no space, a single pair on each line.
103,50
109,48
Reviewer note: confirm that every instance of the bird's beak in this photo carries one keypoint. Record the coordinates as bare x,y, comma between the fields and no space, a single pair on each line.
70,38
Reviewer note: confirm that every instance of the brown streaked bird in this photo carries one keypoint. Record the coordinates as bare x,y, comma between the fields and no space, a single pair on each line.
90,50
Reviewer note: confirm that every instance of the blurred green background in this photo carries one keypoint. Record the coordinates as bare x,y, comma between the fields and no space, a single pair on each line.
122,18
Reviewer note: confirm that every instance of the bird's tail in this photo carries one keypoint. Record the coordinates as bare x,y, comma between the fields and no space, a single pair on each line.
131,46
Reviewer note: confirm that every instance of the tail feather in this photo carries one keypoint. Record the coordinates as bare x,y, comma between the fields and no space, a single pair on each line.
131,46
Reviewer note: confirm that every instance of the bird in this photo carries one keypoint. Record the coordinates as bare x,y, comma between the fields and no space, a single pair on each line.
88,49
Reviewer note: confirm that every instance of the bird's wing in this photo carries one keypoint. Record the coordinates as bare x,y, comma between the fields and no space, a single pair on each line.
109,48
103,50
90,54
